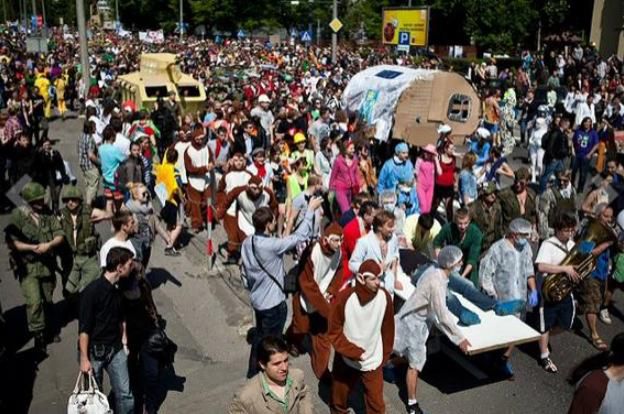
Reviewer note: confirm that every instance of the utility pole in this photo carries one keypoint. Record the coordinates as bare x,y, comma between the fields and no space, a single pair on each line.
117,11
84,52
318,31
334,34
34,9
43,12
181,22
409,3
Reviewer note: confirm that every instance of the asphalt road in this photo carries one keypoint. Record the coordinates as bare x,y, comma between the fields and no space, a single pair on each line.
208,316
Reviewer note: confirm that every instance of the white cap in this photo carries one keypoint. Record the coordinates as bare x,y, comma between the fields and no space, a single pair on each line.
264,99
483,133
444,129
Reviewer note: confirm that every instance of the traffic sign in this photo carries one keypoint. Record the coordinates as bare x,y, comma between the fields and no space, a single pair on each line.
240,34
335,25
404,38
305,37
293,33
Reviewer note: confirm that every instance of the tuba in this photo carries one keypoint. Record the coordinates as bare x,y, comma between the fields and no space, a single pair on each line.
558,286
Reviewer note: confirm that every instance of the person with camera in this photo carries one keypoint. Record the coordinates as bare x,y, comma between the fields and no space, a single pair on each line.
264,275
299,206
102,331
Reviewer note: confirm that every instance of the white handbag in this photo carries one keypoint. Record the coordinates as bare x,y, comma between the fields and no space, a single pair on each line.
87,399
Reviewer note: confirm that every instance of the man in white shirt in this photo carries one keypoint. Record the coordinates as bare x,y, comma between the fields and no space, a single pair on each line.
121,141
125,225
265,115
585,109
555,314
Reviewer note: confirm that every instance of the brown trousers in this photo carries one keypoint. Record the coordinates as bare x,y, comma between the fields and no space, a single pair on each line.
316,326
196,199
344,379
235,235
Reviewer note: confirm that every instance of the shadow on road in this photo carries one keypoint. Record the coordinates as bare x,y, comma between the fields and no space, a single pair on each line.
158,276
17,379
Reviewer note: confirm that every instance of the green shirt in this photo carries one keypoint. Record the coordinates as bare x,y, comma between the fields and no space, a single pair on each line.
267,391
470,245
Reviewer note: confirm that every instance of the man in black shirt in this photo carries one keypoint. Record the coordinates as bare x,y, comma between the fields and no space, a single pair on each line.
556,147
102,328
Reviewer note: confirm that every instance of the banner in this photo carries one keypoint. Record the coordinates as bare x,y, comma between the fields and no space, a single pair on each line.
152,36
405,26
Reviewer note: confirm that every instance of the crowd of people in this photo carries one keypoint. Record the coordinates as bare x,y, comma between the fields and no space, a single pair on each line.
288,170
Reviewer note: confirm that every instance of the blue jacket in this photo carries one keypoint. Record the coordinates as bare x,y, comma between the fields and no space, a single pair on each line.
392,172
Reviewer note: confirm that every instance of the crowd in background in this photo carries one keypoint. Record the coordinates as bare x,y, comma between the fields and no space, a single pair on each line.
273,151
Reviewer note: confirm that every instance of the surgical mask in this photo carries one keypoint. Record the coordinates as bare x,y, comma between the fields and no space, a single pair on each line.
520,243
389,207
404,189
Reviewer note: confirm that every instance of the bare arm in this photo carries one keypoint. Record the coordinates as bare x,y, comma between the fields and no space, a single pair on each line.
85,364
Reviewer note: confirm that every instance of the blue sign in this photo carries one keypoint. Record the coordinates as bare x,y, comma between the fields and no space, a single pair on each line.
305,37
404,38
33,23
293,33
240,34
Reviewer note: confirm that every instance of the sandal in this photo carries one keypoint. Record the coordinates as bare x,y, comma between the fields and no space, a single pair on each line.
599,344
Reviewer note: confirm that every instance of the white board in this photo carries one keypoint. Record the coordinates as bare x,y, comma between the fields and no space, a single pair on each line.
494,332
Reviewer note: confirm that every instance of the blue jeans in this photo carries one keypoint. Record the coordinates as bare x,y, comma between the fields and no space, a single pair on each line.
553,167
465,288
115,362
581,166
269,322
153,391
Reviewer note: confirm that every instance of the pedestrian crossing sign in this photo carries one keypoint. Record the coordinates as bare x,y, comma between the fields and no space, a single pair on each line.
305,37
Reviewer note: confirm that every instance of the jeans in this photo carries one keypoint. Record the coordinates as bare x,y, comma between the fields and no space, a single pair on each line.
153,390
465,288
115,362
269,322
580,165
553,167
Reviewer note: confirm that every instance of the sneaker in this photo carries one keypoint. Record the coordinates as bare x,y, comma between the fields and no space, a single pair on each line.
414,409
548,365
506,369
605,317
171,251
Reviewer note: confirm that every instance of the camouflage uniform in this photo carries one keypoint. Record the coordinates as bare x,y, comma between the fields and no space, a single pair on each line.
489,220
35,272
80,262
551,203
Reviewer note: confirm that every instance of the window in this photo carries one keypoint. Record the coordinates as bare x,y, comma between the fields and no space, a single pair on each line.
459,108
190,91
156,91
389,74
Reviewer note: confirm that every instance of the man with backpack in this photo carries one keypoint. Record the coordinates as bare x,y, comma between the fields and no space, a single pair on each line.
264,275
557,149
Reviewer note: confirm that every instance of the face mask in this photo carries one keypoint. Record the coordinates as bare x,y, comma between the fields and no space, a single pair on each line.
404,189
456,268
520,243
389,207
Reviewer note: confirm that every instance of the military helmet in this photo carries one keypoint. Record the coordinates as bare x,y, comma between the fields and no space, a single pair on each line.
33,192
71,191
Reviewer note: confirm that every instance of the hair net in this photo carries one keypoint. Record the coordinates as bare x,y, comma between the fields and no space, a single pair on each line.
520,226
402,147
448,256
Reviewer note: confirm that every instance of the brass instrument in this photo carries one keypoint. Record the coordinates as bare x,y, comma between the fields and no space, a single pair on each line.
558,286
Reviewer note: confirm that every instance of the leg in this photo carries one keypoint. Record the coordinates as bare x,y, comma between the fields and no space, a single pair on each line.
343,379
117,371
92,180
319,357
34,304
194,201
411,382
230,225
269,322
342,198
152,391
465,288
373,391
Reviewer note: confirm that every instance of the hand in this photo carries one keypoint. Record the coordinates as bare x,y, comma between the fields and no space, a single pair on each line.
533,298
571,272
315,203
588,156
398,285
85,365
464,345
42,248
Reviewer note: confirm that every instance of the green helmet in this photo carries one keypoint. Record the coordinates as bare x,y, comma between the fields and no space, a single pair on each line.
71,191
33,192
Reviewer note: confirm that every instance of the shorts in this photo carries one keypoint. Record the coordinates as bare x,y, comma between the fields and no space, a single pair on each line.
493,128
559,314
171,215
113,195
444,191
589,293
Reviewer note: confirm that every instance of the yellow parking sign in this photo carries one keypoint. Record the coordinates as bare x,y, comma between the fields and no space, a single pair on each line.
399,24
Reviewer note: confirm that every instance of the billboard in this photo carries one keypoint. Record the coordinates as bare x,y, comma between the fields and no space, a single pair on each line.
405,26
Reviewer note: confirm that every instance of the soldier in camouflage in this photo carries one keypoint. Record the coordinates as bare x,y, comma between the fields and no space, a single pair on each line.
79,258
32,236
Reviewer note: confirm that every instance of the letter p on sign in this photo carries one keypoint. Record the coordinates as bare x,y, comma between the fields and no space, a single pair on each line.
404,38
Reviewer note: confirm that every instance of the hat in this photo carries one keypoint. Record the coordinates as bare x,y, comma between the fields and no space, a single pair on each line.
430,148
255,180
333,229
263,99
401,147
522,174
299,137
520,226
483,133
444,129
449,256
489,188
257,151
32,192
370,267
